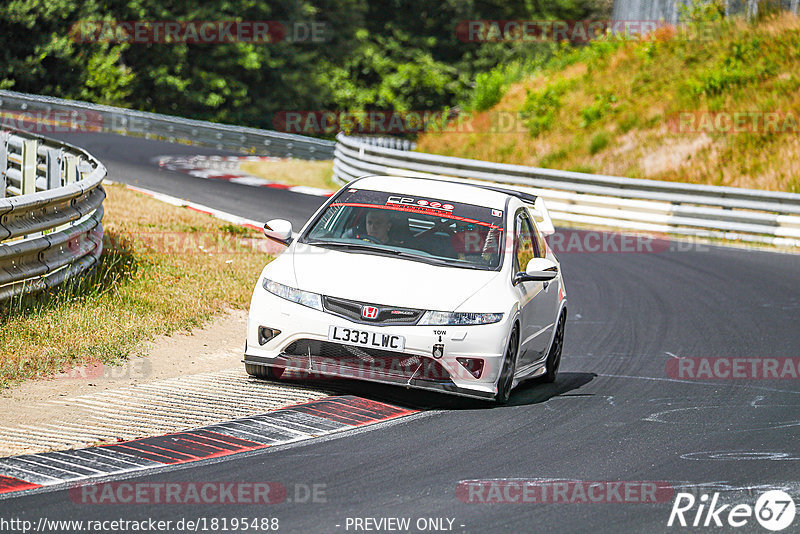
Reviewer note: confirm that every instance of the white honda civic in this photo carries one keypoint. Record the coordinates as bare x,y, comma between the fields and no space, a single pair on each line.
430,284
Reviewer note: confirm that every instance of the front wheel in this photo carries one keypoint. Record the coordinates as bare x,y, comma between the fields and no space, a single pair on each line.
263,371
506,379
554,356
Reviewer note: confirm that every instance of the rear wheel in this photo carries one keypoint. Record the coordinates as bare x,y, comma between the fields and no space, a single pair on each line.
264,371
506,379
554,356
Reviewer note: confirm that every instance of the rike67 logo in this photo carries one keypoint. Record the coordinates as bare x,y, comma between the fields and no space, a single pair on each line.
774,510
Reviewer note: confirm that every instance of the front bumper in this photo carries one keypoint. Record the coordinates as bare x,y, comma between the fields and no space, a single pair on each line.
323,371
303,348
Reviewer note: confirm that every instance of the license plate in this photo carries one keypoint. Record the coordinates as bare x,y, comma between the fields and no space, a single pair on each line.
365,338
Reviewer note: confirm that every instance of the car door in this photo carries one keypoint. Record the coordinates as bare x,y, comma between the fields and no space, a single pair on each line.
546,309
535,320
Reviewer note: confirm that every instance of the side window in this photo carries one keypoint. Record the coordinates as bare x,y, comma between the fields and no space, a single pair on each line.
524,244
538,242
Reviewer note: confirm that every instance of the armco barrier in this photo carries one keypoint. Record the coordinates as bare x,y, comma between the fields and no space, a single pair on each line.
50,212
27,108
646,205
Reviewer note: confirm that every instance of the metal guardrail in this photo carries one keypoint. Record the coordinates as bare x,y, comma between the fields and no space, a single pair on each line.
634,204
50,213
387,142
670,10
84,116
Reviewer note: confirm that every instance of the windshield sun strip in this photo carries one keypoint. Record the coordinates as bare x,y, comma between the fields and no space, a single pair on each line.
419,211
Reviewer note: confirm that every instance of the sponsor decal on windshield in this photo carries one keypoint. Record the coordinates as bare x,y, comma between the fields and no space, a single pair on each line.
408,201
423,205
420,210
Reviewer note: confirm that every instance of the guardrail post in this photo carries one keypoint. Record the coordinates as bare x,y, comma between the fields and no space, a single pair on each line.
28,185
83,168
752,9
70,169
53,168
3,162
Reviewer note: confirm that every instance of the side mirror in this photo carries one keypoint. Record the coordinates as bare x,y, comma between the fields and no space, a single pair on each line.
279,230
538,270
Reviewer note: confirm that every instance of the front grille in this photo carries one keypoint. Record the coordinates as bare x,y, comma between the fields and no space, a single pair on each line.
351,310
366,360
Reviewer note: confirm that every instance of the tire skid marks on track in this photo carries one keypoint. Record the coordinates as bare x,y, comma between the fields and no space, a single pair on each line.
286,425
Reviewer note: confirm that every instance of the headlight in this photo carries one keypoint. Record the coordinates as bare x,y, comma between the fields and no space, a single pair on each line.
306,298
437,318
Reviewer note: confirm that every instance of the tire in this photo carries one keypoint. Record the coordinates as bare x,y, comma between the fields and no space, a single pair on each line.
506,379
554,356
266,372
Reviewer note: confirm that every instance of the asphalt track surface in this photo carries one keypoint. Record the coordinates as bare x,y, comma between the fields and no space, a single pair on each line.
613,415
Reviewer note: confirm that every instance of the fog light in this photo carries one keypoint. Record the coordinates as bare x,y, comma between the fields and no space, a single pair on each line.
473,365
265,334
438,351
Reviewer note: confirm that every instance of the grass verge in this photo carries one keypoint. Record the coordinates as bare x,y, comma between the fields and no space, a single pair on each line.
294,172
163,269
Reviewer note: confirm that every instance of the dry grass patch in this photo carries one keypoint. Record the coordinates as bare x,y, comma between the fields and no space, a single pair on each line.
163,269
612,107
294,172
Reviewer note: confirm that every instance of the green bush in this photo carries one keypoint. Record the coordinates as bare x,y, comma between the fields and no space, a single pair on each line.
553,158
628,122
489,89
602,106
540,107
701,11
490,86
742,64
598,143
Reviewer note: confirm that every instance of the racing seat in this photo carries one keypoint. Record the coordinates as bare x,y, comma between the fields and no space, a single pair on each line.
400,233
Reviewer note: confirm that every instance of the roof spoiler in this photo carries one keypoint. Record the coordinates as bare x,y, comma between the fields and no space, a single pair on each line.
542,217
525,197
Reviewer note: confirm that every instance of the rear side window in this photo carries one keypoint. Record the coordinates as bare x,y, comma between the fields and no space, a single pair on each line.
538,241
525,243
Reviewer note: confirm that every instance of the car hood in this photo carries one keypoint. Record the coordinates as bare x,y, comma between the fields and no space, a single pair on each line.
384,279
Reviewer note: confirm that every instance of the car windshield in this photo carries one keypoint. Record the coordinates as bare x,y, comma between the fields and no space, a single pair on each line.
419,228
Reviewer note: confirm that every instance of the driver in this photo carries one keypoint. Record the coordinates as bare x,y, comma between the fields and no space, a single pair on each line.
378,225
